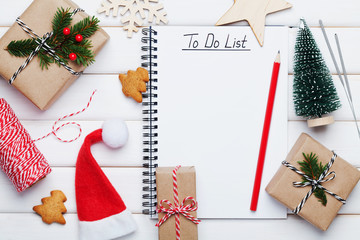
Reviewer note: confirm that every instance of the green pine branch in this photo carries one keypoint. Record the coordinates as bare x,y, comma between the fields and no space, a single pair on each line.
86,27
21,48
45,59
61,20
83,52
320,194
313,169
63,57
62,44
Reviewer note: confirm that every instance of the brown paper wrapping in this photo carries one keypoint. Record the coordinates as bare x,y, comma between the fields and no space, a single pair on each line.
281,185
186,180
42,87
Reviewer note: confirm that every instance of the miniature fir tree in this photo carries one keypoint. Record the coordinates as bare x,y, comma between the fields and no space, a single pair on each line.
314,91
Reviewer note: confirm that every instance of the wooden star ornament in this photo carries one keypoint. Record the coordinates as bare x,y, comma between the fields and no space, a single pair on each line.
254,12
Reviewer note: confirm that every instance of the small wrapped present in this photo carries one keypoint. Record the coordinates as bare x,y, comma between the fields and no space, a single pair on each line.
176,194
40,85
313,182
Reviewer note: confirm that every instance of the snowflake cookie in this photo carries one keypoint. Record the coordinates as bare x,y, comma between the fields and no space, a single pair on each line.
132,9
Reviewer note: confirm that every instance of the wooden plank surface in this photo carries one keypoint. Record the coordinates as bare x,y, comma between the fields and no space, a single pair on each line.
343,227
186,12
123,166
108,102
127,181
122,53
63,154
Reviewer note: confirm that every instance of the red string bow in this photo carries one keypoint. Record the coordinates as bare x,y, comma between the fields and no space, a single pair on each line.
177,208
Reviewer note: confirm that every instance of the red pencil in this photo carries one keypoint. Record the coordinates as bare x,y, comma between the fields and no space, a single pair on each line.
265,133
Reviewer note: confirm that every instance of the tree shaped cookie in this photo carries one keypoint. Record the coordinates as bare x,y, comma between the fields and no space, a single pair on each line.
52,208
134,83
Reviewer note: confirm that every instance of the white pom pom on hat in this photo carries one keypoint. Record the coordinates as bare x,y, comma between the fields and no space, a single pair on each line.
115,133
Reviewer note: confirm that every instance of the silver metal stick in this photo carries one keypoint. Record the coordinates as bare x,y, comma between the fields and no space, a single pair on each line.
346,83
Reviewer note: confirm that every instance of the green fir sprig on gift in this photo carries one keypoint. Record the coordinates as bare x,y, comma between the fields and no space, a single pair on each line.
313,170
68,42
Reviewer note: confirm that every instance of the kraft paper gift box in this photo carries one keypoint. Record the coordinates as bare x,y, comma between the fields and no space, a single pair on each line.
42,87
281,186
186,181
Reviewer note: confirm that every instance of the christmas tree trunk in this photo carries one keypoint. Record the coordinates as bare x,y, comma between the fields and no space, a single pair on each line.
314,91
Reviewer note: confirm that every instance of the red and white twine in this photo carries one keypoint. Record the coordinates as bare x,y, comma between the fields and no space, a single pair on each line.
177,208
54,130
20,159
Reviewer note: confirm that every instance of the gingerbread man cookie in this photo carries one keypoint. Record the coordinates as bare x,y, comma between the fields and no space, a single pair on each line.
134,83
52,208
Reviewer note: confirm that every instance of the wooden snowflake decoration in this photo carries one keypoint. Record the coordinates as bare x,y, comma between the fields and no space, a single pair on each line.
133,12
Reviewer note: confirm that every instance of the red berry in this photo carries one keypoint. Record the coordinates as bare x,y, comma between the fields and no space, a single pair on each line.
72,56
66,31
78,37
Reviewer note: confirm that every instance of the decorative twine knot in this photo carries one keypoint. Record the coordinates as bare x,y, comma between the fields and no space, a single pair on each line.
314,183
182,209
177,208
41,41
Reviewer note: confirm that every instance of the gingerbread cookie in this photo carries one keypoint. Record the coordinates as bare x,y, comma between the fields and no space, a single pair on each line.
52,208
134,83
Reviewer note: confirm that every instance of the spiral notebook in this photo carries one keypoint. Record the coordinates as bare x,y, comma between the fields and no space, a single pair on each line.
205,106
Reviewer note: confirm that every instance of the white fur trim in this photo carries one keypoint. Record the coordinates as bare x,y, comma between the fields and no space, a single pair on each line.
108,228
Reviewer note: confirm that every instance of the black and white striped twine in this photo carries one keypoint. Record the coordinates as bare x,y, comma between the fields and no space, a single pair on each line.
314,183
41,45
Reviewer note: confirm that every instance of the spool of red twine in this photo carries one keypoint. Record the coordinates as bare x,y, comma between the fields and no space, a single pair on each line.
20,159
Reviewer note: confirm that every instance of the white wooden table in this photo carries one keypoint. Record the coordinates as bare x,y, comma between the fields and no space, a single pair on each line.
123,167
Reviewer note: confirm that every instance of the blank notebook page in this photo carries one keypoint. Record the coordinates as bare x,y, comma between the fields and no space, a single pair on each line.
213,85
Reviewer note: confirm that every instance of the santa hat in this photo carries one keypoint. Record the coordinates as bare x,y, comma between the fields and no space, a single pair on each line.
101,211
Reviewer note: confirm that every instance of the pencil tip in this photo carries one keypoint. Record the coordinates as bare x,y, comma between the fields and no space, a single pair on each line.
277,59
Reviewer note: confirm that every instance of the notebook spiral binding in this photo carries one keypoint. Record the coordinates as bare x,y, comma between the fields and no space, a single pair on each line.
150,121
